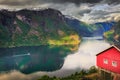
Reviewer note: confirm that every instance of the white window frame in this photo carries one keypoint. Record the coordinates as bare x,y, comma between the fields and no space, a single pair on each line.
105,61
114,63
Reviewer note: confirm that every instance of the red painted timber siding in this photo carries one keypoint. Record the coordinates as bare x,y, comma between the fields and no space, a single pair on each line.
111,54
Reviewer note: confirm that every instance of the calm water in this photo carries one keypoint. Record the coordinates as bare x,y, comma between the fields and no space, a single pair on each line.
57,60
32,59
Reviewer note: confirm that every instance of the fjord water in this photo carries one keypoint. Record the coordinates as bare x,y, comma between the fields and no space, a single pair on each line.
83,58
46,60
32,59
52,58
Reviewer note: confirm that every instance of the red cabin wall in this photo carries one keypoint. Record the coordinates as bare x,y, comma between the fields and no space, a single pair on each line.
111,55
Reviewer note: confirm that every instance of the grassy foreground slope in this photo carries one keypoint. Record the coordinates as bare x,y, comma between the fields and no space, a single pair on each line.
91,74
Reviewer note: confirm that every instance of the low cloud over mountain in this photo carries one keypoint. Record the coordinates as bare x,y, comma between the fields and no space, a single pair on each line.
89,11
27,2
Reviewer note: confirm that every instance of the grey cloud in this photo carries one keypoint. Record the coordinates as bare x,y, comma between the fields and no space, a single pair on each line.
111,1
102,13
82,12
18,2
33,2
99,13
74,1
37,2
89,13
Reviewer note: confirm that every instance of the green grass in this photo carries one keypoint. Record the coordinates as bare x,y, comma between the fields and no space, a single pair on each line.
109,35
90,74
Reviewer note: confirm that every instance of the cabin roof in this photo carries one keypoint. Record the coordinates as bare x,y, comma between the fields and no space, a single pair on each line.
113,46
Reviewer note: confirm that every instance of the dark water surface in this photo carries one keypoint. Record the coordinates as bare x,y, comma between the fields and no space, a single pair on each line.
33,59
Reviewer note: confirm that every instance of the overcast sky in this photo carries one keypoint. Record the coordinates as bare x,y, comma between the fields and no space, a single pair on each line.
89,11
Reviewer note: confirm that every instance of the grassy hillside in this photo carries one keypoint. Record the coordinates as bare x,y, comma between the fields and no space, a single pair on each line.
34,28
113,36
90,74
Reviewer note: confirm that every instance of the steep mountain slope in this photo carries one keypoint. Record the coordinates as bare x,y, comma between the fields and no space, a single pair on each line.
45,27
106,25
103,27
89,30
113,36
33,28
82,28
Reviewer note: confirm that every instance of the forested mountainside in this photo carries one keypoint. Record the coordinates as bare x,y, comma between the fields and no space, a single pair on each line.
89,30
113,36
34,28
46,27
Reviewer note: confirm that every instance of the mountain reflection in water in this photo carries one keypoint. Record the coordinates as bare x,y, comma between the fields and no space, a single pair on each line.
32,59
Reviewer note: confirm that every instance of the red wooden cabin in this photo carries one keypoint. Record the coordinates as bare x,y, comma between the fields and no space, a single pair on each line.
109,59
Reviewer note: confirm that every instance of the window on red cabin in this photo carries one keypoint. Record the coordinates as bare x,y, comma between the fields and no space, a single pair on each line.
114,63
105,61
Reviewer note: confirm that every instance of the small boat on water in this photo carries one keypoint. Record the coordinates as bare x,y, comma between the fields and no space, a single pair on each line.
21,55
